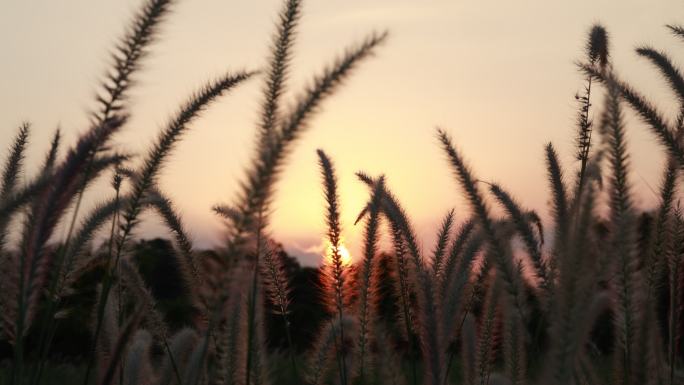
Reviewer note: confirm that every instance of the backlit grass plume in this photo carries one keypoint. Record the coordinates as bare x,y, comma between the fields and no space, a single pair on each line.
627,283
186,262
597,54
14,163
416,281
454,256
654,118
667,69
442,240
9,262
166,141
366,302
559,206
126,58
278,290
524,228
504,261
335,269
278,71
256,191
146,176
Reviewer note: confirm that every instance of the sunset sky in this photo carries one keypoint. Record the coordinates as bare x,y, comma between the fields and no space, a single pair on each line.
499,76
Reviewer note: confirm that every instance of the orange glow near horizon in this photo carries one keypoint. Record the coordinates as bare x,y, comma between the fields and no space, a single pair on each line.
499,77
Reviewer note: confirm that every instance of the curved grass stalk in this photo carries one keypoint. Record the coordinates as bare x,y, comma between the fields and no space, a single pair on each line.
369,252
523,227
486,345
453,292
597,53
428,327
648,113
441,244
45,213
278,70
334,233
15,161
667,69
627,283
503,259
454,256
150,168
278,290
264,171
559,209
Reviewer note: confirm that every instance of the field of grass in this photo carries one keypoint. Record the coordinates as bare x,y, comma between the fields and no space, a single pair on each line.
594,298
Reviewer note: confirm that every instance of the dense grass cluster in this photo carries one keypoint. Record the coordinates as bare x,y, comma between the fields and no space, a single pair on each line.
498,300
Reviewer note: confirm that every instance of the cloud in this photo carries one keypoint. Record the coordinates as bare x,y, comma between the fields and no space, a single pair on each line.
309,253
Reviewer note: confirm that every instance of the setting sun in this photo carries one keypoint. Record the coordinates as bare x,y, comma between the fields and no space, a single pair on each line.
345,257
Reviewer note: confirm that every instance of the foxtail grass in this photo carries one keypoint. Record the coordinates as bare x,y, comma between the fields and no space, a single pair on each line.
441,244
257,190
366,313
336,275
150,168
648,113
596,53
277,287
524,228
503,260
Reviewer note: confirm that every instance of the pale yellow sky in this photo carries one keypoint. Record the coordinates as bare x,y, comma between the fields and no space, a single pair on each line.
499,76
